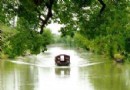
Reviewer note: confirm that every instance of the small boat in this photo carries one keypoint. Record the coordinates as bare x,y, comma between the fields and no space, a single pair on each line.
62,60
119,60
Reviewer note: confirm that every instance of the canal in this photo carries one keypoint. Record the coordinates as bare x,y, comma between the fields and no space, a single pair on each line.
86,72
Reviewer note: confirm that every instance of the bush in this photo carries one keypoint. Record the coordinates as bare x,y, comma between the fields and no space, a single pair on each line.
118,56
26,41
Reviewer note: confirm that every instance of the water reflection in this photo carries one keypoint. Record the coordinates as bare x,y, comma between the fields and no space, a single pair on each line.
14,77
40,73
108,76
63,72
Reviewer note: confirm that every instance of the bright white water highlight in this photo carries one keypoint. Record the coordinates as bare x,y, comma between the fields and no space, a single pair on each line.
47,59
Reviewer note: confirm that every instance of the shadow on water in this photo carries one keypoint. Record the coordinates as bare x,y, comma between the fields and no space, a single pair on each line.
86,72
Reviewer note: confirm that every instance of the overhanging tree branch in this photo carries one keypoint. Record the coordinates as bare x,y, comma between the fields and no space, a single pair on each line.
49,5
103,6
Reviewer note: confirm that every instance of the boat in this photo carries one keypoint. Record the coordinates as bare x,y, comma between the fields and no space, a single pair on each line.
62,60
119,60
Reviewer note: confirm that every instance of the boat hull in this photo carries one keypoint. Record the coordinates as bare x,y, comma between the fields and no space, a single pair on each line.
62,60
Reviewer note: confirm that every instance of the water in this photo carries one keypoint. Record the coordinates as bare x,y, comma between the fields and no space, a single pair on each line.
86,72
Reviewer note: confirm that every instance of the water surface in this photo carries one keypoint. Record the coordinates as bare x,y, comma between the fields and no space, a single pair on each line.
86,72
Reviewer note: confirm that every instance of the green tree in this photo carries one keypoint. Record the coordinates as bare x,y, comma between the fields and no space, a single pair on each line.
99,21
38,12
25,42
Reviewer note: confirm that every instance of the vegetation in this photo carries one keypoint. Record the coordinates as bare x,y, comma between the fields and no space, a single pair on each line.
107,34
118,56
100,26
22,42
6,33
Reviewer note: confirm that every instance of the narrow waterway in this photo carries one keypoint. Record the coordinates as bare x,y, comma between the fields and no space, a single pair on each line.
86,72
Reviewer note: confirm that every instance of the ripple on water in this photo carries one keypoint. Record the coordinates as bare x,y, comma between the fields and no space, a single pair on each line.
47,59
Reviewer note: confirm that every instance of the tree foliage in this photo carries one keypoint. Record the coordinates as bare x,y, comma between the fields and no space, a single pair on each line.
99,23
39,12
107,34
25,42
